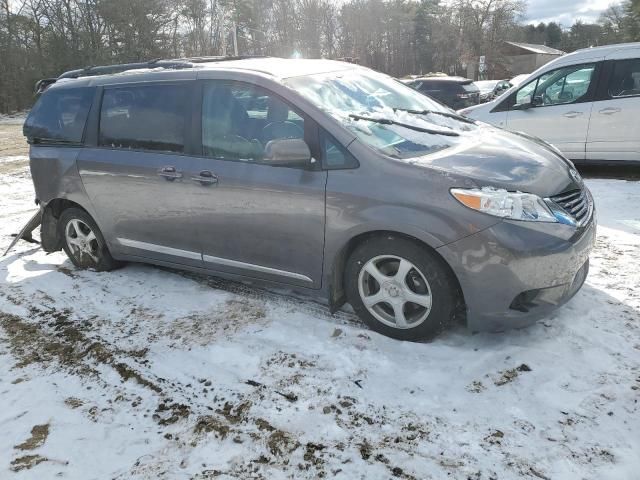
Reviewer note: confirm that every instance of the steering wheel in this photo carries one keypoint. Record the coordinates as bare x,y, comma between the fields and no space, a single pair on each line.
282,129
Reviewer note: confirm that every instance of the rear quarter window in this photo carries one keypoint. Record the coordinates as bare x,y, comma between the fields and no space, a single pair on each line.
59,116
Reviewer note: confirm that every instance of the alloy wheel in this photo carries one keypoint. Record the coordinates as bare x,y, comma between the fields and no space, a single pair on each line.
82,243
395,291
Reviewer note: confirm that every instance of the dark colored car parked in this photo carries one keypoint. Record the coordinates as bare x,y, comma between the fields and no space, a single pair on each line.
454,92
323,176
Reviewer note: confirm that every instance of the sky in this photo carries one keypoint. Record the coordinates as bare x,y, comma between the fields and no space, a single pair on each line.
565,11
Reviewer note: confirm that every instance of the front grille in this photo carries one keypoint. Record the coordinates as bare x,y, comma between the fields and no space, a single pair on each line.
576,203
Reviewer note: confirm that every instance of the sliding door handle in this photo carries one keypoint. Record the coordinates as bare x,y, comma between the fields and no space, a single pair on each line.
205,178
609,111
170,173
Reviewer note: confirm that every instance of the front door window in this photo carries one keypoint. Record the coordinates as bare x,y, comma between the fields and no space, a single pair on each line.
239,120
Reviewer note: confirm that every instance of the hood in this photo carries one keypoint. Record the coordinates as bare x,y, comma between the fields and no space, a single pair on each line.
469,111
501,159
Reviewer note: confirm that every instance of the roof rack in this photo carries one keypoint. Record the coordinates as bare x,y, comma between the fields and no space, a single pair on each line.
222,58
176,63
111,69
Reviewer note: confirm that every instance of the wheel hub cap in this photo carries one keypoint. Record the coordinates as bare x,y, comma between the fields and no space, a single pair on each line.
393,291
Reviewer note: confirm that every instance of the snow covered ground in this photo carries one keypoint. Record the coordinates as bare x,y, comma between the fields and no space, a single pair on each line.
151,373
16,118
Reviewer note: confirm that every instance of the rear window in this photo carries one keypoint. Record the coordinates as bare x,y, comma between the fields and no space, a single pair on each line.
59,116
430,85
449,86
149,117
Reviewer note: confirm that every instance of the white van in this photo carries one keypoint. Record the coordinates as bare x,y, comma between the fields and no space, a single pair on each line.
587,104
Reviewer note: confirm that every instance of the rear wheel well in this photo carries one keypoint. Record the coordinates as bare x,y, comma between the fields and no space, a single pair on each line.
49,227
58,205
337,295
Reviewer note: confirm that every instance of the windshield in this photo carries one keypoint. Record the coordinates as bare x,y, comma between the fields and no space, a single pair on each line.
486,86
383,112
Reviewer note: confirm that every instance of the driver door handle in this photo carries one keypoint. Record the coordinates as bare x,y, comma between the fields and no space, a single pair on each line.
572,114
609,111
205,178
170,173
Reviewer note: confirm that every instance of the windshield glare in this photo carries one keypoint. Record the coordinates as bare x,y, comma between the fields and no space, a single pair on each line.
377,96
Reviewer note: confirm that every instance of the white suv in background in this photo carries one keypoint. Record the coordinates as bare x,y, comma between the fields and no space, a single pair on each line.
587,104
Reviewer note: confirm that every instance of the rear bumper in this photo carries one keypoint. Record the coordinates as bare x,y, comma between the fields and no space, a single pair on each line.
514,273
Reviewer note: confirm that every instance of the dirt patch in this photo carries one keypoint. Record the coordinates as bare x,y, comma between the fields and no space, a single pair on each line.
73,402
67,271
281,443
54,339
494,437
26,462
128,373
39,434
209,423
202,329
312,452
12,142
262,424
235,413
30,344
289,360
170,413
476,387
508,376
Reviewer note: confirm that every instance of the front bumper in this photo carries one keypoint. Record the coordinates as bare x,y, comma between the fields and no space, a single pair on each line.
514,273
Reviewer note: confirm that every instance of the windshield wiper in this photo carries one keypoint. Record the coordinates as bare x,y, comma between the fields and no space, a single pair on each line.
387,121
455,116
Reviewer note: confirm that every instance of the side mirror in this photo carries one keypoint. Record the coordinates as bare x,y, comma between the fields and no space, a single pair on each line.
288,152
523,104
538,100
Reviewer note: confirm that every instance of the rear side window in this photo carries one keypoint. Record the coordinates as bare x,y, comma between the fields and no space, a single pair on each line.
625,78
148,117
59,116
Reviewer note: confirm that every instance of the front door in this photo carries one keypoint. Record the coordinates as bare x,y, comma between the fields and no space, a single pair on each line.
137,176
256,219
556,107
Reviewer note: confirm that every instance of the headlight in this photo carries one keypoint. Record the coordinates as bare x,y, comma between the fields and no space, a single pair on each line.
504,204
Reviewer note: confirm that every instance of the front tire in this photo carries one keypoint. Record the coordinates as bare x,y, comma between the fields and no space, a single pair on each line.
83,242
399,288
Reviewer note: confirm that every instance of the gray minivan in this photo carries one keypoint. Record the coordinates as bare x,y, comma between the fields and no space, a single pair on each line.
323,176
